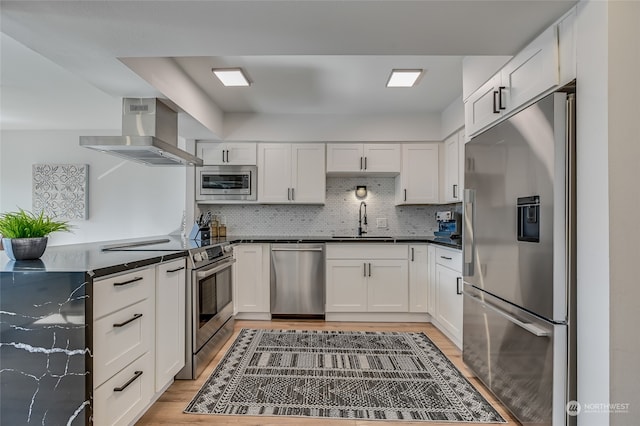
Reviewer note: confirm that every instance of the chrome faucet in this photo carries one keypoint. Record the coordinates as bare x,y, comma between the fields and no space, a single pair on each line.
362,220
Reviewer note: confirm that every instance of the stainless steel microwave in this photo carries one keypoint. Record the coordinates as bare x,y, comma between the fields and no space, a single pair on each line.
220,183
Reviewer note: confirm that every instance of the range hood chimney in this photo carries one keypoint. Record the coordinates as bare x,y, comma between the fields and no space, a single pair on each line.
149,135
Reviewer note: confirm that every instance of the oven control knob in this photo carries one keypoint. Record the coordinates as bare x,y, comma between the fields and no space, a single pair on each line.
227,249
197,257
205,255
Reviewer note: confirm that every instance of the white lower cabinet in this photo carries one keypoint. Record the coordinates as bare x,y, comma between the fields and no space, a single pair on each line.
123,346
418,278
138,339
367,278
387,286
448,293
170,321
346,286
121,399
251,275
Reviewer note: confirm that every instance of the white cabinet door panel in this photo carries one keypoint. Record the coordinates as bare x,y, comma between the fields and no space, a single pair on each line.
387,289
532,71
381,158
121,337
121,399
418,278
170,321
344,157
308,173
346,286
251,280
418,180
449,300
274,170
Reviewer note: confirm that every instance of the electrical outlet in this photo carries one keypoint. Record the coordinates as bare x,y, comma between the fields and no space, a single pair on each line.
381,222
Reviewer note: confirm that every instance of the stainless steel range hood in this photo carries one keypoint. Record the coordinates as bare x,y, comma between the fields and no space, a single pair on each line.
149,135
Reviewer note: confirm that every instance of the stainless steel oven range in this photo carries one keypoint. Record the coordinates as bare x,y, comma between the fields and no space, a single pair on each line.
209,306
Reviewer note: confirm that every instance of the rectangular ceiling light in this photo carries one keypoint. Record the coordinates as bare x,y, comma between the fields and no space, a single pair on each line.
404,78
231,77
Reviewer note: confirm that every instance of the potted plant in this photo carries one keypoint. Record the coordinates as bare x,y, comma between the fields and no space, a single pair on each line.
24,234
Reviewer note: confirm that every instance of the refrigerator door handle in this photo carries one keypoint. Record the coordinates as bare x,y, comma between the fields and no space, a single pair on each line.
527,326
468,245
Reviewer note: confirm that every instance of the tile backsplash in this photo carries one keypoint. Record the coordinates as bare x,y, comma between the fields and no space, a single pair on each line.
338,216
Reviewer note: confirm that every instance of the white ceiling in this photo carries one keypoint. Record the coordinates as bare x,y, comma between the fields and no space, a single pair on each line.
313,57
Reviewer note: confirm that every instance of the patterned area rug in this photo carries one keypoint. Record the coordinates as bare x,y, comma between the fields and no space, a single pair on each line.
345,374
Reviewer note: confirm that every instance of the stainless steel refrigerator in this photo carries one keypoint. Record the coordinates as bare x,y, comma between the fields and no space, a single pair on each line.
519,263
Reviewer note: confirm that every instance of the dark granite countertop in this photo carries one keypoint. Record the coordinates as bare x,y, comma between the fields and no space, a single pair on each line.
448,242
92,259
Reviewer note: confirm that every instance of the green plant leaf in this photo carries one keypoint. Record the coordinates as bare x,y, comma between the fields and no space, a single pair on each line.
24,224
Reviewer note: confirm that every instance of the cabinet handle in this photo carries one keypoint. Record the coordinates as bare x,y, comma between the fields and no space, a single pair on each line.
455,191
365,163
458,289
128,282
293,194
289,194
500,89
412,257
405,195
131,380
445,257
369,269
175,270
364,274
122,324
360,163
495,102
223,155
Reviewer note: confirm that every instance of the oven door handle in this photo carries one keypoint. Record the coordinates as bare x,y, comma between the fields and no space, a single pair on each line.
205,273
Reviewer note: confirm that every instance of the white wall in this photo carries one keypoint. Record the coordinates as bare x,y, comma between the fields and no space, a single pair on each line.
322,128
624,227
452,118
126,199
592,220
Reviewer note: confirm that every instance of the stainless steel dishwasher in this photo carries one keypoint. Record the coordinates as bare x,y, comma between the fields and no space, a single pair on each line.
297,280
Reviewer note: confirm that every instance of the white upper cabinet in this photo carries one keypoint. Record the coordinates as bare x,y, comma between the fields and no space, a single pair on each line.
227,153
545,64
481,108
382,159
418,181
291,173
453,168
531,72
308,175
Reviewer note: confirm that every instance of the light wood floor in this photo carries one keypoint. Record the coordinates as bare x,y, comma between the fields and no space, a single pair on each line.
168,409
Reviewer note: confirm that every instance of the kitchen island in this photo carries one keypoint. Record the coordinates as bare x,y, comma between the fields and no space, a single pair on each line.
46,309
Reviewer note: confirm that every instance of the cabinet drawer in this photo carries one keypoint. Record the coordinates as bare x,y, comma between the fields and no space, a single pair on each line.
450,258
120,338
367,251
121,407
116,292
